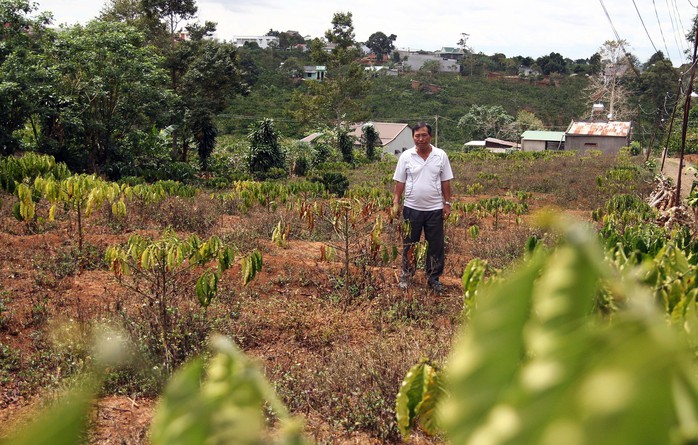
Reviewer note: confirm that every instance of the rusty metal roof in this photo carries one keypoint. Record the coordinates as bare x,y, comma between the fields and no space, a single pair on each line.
613,129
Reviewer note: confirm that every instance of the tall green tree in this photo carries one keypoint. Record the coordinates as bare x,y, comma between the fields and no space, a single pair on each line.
552,63
525,120
370,139
133,12
483,121
165,18
345,142
656,95
380,44
205,74
342,36
212,77
287,38
25,80
110,85
339,98
170,12
318,55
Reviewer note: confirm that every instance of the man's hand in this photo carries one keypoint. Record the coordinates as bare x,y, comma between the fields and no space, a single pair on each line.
447,210
395,211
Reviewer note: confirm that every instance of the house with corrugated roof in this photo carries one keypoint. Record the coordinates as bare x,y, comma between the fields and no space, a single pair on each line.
413,61
261,41
500,145
608,137
534,140
493,145
395,138
311,138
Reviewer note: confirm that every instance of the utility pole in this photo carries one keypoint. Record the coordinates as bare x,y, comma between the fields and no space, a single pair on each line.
686,109
436,138
671,122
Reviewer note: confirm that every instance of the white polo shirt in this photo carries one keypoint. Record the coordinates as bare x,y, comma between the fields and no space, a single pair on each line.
423,178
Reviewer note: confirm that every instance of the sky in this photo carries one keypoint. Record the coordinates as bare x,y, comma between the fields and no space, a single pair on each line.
575,29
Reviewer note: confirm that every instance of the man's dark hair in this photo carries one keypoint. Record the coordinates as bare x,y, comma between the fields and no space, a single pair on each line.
419,125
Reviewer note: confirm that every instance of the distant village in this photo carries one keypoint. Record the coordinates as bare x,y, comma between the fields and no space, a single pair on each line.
595,133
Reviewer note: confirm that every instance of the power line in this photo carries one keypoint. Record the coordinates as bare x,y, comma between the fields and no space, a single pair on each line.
679,21
615,32
674,27
645,27
619,40
661,30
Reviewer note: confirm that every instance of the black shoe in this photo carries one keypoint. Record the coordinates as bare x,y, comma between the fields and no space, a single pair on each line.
437,287
404,283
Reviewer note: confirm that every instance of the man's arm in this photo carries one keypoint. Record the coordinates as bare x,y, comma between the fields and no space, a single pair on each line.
397,195
446,193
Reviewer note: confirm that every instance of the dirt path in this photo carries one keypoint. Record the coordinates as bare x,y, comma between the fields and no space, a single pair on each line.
688,175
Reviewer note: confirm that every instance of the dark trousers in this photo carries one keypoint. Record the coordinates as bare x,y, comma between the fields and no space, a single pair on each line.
432,224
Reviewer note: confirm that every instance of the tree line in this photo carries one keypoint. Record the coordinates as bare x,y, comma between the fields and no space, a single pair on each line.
142,91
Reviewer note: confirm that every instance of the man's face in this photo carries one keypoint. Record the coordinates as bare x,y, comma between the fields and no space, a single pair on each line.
421,137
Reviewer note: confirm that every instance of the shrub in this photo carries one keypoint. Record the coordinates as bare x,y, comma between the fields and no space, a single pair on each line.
265,151
334,182
635,148
15,170
301,166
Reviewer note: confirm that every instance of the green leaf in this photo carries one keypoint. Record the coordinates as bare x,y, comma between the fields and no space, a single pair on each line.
206,288
473,275
431,398
487,358
64,423
180,417
419,394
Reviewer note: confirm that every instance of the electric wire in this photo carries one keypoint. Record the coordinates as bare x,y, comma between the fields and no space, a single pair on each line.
675,31
618,39
613,28
645,27
659,24
679,20
678,11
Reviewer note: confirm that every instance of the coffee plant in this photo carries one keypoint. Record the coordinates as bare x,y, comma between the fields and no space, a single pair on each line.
226,399
160,270
81,194
536,364
26,169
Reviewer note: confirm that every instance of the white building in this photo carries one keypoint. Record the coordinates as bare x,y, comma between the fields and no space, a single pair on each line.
263,41
395,138
532,140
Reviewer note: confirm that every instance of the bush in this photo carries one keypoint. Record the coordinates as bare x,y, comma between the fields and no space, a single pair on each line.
635,148
29,167
320,154
271,174
334,182
301,166
265,152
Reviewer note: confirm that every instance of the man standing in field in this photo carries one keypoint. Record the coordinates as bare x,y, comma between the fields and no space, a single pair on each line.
423,176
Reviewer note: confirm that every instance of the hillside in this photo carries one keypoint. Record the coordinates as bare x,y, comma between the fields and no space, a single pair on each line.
334,346
394,99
